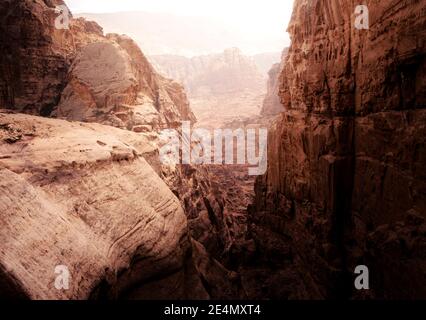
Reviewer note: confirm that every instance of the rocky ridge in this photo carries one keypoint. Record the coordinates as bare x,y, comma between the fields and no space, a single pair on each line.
215,73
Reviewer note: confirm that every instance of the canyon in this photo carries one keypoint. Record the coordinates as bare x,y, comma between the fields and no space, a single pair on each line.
82,184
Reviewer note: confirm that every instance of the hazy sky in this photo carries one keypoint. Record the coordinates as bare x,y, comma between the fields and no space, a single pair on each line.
256,17
264,10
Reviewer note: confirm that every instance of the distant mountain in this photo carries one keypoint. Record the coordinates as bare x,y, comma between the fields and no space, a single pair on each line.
226,72
221,87
160,33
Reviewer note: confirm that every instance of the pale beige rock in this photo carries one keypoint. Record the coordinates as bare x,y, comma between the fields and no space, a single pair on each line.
111,82
82,195
102,78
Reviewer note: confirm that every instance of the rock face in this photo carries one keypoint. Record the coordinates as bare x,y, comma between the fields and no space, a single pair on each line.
112,82
43,66
103,79
272,105
346,184
35,56
94,205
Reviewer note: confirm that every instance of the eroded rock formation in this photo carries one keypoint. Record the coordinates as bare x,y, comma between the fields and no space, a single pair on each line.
79,74
345,184
92,204
35,56
112,82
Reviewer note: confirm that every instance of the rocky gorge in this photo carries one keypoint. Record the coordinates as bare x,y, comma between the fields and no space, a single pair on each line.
82,185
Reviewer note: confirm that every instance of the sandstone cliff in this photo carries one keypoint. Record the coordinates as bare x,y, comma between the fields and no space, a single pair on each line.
92,204
111,82
35,56
37,66
345,184
80,74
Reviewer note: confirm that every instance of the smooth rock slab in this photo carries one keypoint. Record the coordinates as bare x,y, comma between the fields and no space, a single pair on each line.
81,196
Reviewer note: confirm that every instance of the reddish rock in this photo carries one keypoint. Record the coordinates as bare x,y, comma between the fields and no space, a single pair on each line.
104,79
346,159
212,74
35,56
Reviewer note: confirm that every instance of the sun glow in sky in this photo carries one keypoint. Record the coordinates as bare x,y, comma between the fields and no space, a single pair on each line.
268,18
